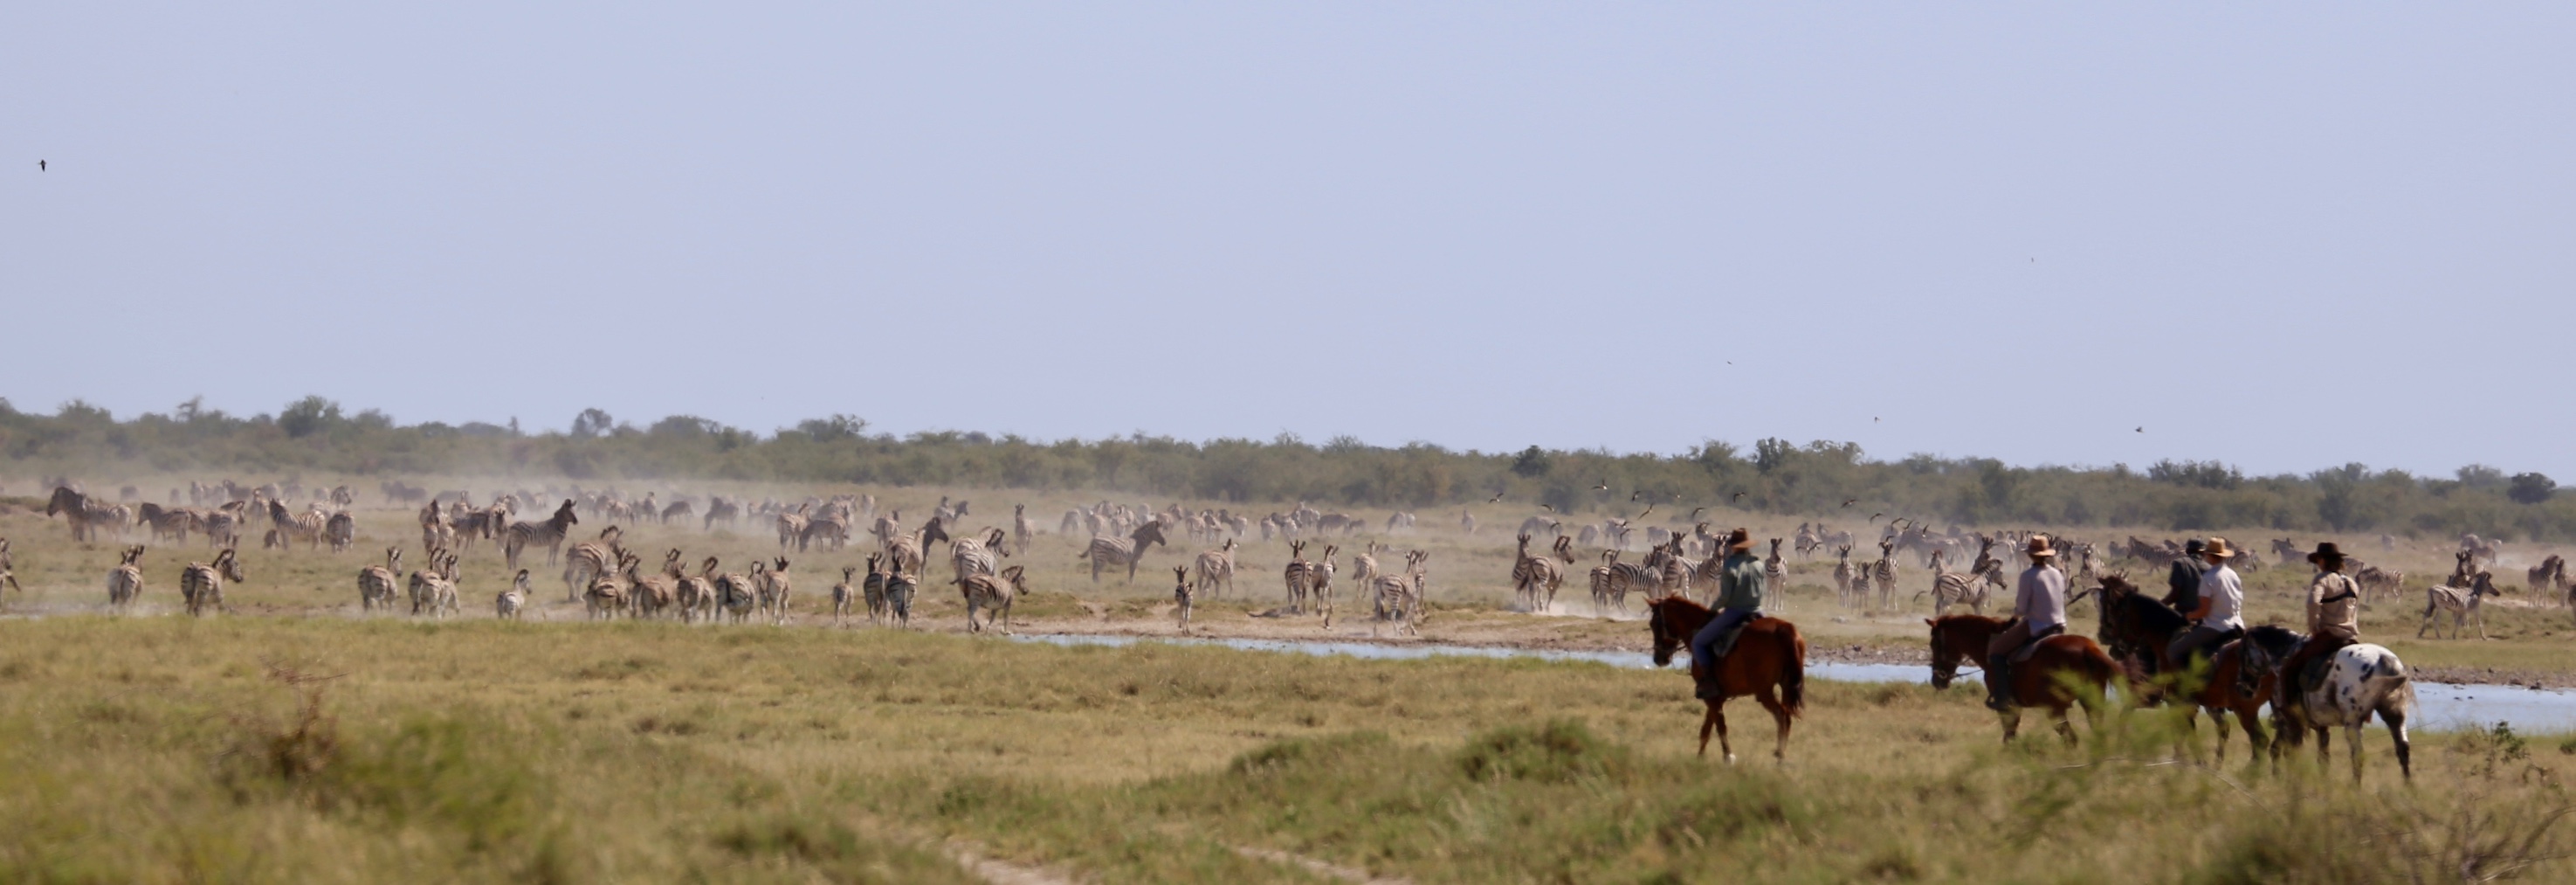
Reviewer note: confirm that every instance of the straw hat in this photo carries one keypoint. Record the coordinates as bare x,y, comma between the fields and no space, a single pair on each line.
1739,541
2038,547
2218,547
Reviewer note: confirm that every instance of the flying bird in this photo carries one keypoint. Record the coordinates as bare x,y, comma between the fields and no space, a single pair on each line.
1874,516
1696,511
2142,428
1873,419
1650,508
1738,497
1497,499
1548,508
1850,501
40,165
1601,486
1633,495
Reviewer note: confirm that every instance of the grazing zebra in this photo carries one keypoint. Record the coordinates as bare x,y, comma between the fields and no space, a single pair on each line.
2463,604
1404,594
125,581
201,585
1021,529
1214,566
841,594
548,534
376,582
992,593
1536,578
679,512
721,509
590,559
511,602
697,594
341,530
1109,552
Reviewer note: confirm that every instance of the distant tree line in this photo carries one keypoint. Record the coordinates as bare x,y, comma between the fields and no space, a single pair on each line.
1815,479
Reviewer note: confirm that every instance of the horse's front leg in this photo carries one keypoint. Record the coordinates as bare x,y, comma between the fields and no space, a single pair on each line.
1707,725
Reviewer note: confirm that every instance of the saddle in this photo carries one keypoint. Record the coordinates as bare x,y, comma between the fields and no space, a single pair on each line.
1726,641
2022,655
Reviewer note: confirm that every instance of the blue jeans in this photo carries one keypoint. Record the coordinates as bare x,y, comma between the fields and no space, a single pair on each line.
1726,620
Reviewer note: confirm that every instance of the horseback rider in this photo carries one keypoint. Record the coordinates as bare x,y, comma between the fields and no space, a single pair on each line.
2183,582
2334,620
2221,612
2039,612
1739,600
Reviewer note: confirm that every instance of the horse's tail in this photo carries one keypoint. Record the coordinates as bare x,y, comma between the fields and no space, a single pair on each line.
1793,670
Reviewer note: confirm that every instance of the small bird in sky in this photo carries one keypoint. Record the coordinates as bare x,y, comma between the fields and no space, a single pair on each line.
2142,428
1497,499
40,165
1873,419
1601,486
1850,501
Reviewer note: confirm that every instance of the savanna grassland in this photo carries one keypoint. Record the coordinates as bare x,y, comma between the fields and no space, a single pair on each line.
295,740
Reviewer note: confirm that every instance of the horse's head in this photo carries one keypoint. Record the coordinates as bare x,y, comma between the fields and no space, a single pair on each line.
1955,638
1667,638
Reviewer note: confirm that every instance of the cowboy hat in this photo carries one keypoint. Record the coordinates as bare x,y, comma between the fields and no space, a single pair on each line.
1739,541
2325,550
2217,547
2038,547
2192,546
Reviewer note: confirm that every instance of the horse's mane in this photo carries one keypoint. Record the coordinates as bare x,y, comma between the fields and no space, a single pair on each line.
2275,640
2150,614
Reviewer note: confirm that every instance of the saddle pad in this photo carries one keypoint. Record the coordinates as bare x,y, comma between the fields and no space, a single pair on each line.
2022,655
1726,641
2312,675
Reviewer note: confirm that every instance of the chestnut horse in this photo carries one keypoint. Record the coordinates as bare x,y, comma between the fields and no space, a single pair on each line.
1768,654
2047,679
2140,628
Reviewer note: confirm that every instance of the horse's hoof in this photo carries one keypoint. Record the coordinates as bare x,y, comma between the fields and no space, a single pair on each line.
1730,758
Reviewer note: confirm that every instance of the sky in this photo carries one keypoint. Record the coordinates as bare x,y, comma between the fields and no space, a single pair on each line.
2286,236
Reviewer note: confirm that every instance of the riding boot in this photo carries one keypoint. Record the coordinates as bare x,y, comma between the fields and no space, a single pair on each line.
1706,680
1999,682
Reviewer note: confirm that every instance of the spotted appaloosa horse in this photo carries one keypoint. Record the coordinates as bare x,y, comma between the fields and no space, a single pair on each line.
1768,655
2048,679
2363,679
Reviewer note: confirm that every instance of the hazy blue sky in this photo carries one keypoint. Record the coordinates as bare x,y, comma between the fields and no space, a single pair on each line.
2287,236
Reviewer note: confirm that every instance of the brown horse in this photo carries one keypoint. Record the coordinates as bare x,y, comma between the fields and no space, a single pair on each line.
1768,654
2047,679
2140,628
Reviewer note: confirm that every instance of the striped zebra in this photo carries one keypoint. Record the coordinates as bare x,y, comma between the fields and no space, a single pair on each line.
1298,575
735,594
1404,594
774,591
2463,604
976,555
223,526
899,589
841,594
548,534
609,591
992,593
1883,573
873,588
1021,529
168,523
1214,566
8,569
1604,592
341,530
1640,578
1321,584
86,515
509,603
433,589
1181,593
1848,583
1775,574
656,592
1955,588
125,581
697,594
201,585
906,552
1535,578
832,526
1108,551
376,582
590,559
721,509
791,528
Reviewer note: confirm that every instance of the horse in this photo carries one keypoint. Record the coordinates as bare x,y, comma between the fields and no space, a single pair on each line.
2361,680
1768,654
2138,627
2047,679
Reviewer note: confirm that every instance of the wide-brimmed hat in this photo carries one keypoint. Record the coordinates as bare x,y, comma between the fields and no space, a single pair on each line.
2193,546
1739,541
2217,547
2038,547
2325,550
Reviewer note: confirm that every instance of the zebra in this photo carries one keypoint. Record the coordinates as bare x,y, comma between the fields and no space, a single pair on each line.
976,555
697,594
1605,590
774,591
735,594
1109,551
679,512
170,523
1181,593
1956,588
433,589
81,513
341,530
1466,522
511,602
1774,573
992,593
721,508
1848,581
1321,584
841,594
8,570
1883,573
549,534
201,585
590,559
223,526
1021,529
899,589
873,588
1299,576
656,591
1405,594
2463,604
376,582
905,552
1536,577
791,528
125,581
608,591
1214,566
